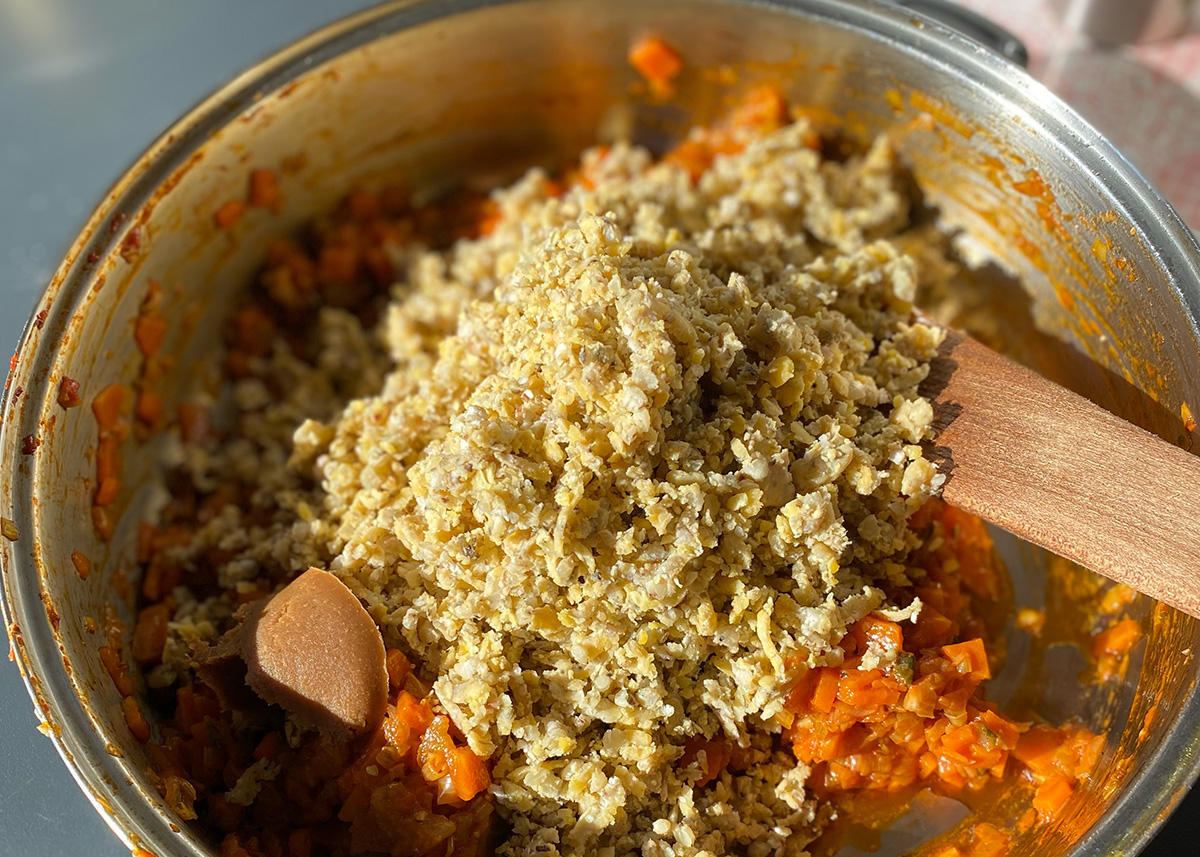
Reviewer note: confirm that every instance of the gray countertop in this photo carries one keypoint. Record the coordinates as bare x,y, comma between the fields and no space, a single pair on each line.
84,87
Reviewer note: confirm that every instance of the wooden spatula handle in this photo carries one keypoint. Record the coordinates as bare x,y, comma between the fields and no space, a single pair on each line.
1061,472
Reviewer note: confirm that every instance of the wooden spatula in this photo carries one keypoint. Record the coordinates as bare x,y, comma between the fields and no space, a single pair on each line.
1059,471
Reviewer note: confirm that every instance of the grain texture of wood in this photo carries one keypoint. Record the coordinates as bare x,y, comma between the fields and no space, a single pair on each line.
1059,471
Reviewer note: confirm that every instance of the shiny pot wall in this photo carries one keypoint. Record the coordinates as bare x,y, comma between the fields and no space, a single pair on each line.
434,94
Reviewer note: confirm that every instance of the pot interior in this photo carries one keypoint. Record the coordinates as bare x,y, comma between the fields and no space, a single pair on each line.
439,95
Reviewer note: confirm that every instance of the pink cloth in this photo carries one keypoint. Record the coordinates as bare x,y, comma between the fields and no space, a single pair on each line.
1145,98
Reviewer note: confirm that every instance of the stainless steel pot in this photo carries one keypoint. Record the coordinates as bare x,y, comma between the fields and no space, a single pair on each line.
434,93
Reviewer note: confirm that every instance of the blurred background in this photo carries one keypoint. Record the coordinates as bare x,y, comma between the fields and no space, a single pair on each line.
86,86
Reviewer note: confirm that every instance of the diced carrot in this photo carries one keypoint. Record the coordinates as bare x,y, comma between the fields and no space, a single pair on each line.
921,698
193,422
930,630
1006,732
252,331
414,714
152,582
868,688
949,851
763,108
185,707
468,774
148,408
987,841
149,331
229,213
814,746
1078,754
300,843
107,492
107,406
361,205
1117,597
1118,639
117,671
206,706
716,758
379,265
656,61
825,689
1051,796
108,458
231,846
337,264
150,633
960,740
489,218
264,188
954,702
884,634
800,696
135,719
1036,748
693,156
394,200
146,535
969,657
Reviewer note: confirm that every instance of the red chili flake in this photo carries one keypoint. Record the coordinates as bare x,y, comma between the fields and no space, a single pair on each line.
29,443
131,244
116,222
68,393
51,613
40,319
93,258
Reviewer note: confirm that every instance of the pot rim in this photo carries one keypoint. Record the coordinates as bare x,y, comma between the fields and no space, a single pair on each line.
1125,829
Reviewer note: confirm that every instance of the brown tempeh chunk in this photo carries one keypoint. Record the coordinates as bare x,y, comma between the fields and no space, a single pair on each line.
313,650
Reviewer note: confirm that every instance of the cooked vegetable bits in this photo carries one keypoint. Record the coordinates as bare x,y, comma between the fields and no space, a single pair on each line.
629,477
